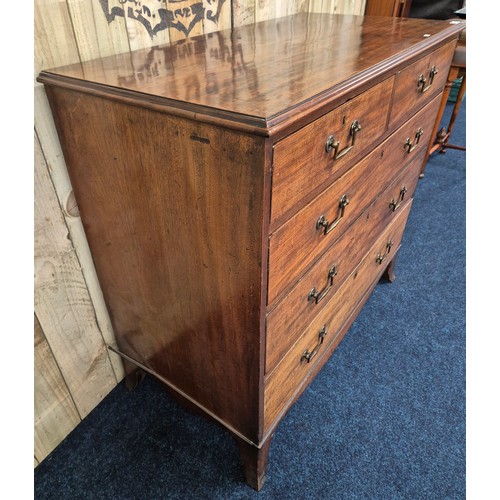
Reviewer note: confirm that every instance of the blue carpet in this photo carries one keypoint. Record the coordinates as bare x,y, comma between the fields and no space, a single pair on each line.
384,419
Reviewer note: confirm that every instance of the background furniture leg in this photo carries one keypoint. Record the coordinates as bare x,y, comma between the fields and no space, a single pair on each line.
435,142
456,109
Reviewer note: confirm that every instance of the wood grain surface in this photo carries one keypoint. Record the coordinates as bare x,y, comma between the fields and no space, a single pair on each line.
295,311
304,42
408,96
62,302
283,382
301,158
181,265
298,242
55,412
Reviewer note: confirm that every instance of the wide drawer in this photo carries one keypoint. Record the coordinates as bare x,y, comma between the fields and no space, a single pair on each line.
418,83
306,235
282,384
317,287
303,161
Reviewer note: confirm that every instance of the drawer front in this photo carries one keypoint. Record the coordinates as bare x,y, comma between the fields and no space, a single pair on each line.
303,161
298,308
418,83
282,384
298,242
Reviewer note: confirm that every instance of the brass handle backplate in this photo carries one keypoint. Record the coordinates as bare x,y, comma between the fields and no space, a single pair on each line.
396,204
309,355
380,258
408,144
322,222
332,144
316,296
422,84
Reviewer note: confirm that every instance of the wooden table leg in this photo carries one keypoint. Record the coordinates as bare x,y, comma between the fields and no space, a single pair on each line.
453,118
254,462
433,144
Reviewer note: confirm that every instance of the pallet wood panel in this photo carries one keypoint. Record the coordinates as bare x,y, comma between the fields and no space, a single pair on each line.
291,7
44,125
146,33
264,10
55,413
97,32
243,12
215,19
62,301
54,37
355,7
186,19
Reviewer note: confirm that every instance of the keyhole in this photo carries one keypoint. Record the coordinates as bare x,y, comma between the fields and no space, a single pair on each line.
344,119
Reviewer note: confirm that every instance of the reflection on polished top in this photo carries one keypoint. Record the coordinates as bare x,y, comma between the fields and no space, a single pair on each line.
262,70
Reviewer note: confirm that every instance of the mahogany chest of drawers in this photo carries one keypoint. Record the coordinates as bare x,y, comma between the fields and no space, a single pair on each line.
242,193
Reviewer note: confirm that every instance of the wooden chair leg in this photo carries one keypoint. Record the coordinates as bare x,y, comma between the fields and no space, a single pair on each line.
454,115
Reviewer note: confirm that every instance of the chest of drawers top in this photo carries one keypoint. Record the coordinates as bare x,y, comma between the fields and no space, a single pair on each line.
260,77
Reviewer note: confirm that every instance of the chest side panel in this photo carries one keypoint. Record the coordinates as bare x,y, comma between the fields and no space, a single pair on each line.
172,210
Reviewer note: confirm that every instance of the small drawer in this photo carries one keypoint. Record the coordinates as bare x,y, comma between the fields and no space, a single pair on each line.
317,287
288,377
306,235
418,83
327,147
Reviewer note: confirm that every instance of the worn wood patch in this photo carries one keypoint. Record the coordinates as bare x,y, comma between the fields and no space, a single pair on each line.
55,413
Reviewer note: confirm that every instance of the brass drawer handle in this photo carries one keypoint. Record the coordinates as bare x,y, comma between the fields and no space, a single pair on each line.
309,355
396,204
323,221
380,258
331,143
408,145
319,296
422,81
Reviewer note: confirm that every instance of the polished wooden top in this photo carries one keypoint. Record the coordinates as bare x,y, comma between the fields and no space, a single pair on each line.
257,73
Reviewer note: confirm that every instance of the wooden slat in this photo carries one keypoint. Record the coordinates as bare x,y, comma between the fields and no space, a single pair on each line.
349,6
264,10
95,36
223,18
243,12
359,7
301,6
47,135
55,413
55,42
62,301
356,7
186,23
146,26
316,5
291,7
